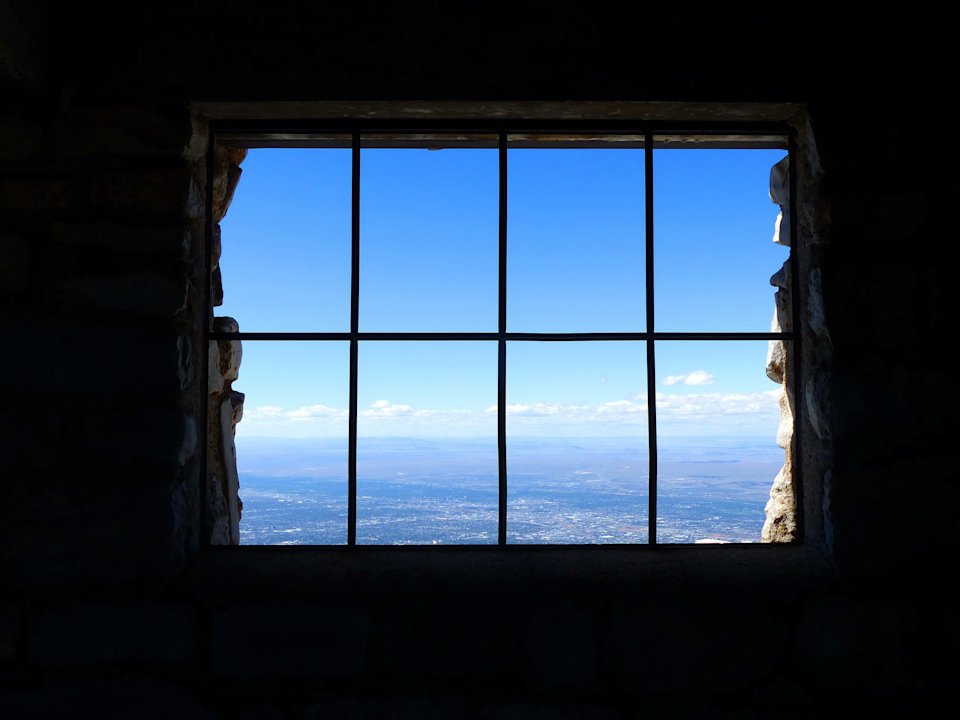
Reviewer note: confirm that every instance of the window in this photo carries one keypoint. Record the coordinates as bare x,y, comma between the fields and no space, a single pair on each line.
462,329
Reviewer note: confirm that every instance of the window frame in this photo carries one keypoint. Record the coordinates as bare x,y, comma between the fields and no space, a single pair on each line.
536,133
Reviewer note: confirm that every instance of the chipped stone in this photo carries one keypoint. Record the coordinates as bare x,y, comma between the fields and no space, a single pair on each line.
780,182
226,405
189,444
194,205
775,360
780,524
184,361
781,278
785,427
196,149
780,510
780,195
815,313
226,178
816,395
214,376
216,288
231,412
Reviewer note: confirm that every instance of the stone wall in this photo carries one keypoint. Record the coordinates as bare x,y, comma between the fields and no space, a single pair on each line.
780,524
225,405
110,608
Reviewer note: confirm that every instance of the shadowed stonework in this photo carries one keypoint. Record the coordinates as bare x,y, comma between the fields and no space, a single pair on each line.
112,604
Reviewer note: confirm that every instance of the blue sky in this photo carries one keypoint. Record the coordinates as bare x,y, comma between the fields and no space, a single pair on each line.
575,264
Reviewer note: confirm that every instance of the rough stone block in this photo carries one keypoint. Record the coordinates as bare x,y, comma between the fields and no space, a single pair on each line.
30,436
867,645
562,646
9,629
704,644
117,698
14,264
548,711
149,194
386,708
122,131
92,634
159,437
100,361
455,637
40,194
100,142
260,711
24,51
74,526
297,640
19,140
143,293
168,240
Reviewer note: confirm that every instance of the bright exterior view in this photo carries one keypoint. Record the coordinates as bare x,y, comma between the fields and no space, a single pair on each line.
577,425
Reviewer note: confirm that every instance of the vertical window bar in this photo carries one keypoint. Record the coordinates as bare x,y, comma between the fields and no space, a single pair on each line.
651,355
502,347
354,329
794,355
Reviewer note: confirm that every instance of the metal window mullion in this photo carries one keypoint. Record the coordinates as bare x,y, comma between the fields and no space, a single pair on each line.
502,344
491,336
354,330
651,355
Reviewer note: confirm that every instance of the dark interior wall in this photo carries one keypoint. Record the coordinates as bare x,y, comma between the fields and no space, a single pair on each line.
107,608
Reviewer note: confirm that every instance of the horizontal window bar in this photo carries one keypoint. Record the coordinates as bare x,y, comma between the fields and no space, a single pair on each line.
549,337
359,336
722,335
790,548
280,336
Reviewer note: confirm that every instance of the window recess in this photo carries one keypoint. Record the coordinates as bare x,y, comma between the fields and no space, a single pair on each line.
582,311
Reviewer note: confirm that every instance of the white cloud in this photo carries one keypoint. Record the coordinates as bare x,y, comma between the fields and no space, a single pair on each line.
538,409
314,411
716,405
628,407
386,409
691,413
264,411
697,377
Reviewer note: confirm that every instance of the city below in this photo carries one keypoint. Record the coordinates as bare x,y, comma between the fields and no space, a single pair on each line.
560,490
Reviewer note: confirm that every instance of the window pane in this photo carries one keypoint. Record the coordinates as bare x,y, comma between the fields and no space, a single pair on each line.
717,421
292,443
427,469
575,240
714,254
285,261
428,240
577,442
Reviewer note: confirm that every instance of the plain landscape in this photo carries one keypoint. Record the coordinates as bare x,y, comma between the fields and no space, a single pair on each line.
560,490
